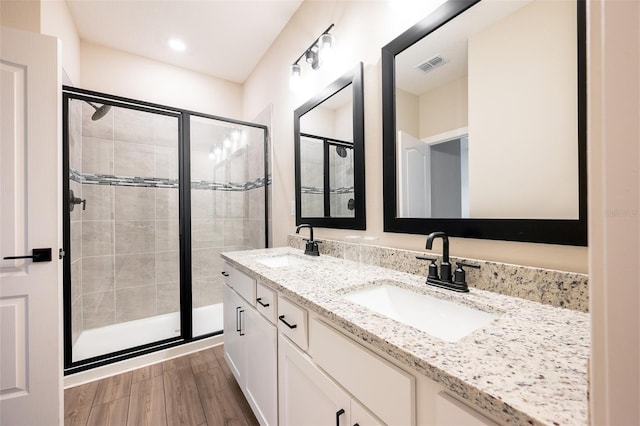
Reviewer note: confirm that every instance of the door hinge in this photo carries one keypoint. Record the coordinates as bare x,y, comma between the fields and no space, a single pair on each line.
61,254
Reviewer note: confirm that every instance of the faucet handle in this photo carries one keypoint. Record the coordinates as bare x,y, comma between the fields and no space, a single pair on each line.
433,268
432,259
460,275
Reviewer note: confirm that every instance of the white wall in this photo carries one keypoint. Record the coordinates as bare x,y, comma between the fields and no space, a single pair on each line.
123,74
444,108
50,17
20,14
361,29
519,91
56,21
614,211
408,113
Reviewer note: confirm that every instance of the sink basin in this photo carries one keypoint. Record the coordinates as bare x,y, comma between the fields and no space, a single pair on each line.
282,261
440,318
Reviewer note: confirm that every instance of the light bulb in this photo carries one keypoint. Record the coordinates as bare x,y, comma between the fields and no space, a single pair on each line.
325,52
295,78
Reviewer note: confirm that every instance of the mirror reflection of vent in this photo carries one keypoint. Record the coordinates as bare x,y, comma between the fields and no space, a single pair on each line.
432,63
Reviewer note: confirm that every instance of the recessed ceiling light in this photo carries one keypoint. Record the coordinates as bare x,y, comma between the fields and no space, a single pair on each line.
177,45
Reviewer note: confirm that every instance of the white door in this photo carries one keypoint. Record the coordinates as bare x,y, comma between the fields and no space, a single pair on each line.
414,169
30,217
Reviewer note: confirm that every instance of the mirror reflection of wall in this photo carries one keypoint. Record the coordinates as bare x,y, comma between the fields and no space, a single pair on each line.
505,73
329,155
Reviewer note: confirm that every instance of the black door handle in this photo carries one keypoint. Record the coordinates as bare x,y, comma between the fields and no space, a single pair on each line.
38,255
226,274
237,318
338,414
292,326
259,300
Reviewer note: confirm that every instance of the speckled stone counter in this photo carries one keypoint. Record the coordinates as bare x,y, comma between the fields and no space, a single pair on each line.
548,286
527,367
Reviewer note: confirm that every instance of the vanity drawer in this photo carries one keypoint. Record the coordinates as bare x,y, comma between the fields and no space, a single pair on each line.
385,389
242,283
266,302
292,322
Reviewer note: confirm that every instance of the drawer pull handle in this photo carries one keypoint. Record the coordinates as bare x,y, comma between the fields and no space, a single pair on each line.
259,300
338,414
226,274
238,318
241,330
291,326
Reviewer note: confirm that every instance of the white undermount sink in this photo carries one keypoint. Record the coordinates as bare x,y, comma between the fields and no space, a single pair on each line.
440,318
281,261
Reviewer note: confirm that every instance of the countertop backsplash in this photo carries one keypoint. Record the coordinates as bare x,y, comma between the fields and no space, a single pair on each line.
556,288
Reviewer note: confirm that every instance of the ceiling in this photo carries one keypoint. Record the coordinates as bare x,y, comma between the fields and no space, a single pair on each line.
224,38
451,42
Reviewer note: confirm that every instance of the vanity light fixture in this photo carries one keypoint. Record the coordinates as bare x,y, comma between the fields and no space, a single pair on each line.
315,55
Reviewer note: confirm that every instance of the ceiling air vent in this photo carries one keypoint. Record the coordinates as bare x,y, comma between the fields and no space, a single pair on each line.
432,63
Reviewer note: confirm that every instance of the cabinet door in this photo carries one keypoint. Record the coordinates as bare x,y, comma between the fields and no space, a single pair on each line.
361,417
234,353
307,396
261,372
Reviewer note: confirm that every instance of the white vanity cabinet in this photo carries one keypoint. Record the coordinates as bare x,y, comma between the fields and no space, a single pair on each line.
310,397
250,346
297,368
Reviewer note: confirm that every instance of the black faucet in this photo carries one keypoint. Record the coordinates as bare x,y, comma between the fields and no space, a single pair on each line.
311,247
445,280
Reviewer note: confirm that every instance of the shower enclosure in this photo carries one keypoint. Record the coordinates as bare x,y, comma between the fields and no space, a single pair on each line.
154,194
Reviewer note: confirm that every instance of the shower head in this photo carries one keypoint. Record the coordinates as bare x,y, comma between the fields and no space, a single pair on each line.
341,151
100,111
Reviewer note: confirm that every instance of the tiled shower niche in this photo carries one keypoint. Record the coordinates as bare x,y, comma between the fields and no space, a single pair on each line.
125,258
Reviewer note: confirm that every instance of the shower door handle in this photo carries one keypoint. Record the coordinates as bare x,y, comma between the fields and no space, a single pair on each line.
38,255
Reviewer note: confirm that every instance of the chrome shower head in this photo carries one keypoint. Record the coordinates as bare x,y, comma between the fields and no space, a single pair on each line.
100,111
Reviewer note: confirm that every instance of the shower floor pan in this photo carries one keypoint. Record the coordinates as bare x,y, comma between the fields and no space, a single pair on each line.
104,340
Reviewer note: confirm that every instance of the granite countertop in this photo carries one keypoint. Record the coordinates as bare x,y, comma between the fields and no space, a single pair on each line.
527,367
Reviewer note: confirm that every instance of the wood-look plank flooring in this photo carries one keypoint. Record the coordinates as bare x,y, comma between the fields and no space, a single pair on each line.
194,390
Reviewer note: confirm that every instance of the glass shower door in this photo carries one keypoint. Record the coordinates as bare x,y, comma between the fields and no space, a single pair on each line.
123,226
227,207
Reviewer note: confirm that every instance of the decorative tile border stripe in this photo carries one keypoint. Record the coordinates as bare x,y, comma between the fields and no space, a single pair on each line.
319,190
148,182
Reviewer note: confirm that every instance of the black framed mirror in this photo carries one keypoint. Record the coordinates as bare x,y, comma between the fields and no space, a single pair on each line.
329,155
484,123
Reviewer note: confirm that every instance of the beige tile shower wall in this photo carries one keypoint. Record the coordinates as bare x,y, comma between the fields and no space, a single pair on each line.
75,165
208,209
254,222
130,239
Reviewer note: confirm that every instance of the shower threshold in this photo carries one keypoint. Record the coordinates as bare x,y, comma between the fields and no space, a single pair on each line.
112,338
